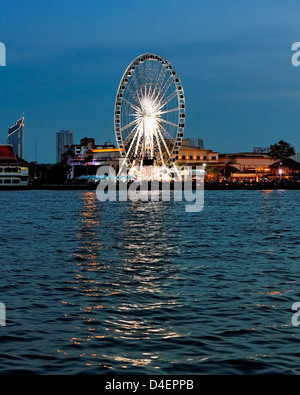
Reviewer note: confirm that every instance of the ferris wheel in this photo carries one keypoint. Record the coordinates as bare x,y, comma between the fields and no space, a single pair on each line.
150,114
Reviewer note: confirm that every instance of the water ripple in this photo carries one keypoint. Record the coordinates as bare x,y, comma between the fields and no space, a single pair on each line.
144,288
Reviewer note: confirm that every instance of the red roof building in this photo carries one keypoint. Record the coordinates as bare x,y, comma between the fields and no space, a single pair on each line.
7,154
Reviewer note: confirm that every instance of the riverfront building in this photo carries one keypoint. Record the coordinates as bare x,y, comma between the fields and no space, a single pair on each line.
247,164
85,158
237,166
12,172
285,168
190,155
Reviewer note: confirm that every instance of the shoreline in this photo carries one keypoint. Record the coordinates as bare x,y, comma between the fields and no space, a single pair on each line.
207,187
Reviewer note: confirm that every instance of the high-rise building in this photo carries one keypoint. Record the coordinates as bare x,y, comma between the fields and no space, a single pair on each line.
196,143
16,137
63,138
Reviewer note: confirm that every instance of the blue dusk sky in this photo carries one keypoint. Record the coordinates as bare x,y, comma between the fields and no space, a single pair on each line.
65,59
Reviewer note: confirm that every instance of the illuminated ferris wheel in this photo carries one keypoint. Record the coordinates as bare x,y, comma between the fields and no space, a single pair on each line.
150,114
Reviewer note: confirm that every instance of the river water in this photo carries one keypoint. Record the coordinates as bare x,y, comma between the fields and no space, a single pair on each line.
146,288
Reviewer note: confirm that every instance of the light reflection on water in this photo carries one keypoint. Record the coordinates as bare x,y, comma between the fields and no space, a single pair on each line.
146,288
137,274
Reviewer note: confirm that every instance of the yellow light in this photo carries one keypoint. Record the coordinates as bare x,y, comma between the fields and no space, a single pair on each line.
108,150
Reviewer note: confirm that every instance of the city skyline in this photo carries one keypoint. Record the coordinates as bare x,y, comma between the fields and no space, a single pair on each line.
241,88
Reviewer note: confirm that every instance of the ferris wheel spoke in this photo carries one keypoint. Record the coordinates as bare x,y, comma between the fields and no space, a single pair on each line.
165,88
154,92
161,77
168,99
167,111
132,91
129,103
131,134
164,143
139,81
132,142
166,133
138,143
125,161
159,147
168,122
129,125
